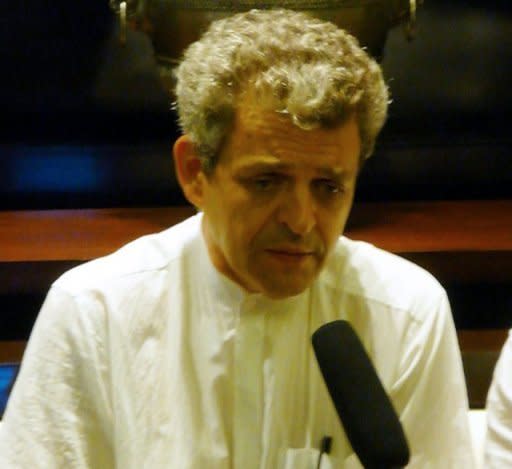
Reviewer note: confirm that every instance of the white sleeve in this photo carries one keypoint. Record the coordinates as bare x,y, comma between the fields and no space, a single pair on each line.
498,444
431,393
58,412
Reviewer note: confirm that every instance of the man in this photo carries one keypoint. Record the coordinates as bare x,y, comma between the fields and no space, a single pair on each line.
498,443
191,348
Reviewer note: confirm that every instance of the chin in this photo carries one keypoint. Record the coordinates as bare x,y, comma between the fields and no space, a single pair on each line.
277,292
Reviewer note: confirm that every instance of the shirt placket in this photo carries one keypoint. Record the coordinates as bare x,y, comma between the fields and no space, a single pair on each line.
248,388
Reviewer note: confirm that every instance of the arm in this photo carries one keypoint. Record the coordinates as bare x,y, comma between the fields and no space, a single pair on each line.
431,394
498,444
57,415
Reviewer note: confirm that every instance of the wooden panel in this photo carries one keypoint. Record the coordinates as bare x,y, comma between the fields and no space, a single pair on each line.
478,371
481,349
435,226
12,351
32,276
51,235
401,227
482,339
468,267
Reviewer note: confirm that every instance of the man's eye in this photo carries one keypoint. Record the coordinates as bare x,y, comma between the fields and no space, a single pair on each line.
262,183
328,186
266,182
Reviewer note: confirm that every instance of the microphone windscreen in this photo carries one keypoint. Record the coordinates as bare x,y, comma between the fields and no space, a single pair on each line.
362,404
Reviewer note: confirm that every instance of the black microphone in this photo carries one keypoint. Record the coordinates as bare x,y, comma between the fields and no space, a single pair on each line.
364,408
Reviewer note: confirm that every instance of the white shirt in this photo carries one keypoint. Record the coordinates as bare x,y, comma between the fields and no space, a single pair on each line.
498,444
150,358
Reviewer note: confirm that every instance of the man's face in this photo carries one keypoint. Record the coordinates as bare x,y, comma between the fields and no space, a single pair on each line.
278,199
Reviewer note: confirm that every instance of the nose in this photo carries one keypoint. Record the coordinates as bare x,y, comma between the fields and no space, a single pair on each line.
298,211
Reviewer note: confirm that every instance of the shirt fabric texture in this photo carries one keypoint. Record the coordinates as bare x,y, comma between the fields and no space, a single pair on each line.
498,443
150,358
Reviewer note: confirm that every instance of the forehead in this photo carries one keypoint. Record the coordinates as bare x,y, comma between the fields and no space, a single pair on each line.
264,135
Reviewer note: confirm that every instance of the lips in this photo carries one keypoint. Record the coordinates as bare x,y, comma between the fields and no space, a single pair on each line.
290,253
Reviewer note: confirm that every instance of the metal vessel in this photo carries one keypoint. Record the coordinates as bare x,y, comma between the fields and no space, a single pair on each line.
173,24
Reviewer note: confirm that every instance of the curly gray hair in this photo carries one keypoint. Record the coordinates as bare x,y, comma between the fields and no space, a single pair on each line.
307,68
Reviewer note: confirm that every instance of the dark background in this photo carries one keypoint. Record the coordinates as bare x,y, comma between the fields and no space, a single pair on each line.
87,123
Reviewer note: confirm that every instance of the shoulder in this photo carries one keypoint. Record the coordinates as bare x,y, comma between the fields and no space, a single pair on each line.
142,257
499,408
501,385
365,270
124,291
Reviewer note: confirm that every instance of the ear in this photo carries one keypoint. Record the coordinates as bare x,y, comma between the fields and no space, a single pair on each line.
188,170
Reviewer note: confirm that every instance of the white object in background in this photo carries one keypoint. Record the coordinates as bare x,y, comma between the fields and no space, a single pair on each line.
478,427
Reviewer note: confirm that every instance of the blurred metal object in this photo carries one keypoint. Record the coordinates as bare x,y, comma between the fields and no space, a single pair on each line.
133,7
410,27
122,23
174,24
127,11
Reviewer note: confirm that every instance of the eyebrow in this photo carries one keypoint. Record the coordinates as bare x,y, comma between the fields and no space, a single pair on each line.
272,165
333,172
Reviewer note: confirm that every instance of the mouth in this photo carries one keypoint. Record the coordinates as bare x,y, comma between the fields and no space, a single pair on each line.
290,254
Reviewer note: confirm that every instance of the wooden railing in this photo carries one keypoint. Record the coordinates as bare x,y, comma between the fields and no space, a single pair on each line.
458,241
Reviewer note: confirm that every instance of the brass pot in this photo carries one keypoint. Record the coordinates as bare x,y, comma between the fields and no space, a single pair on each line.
173,24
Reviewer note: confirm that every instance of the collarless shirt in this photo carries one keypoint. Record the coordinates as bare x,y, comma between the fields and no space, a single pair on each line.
498,438
151,358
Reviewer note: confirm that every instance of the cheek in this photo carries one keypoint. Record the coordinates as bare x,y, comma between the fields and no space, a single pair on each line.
244,230
331,226
237,231
249,234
